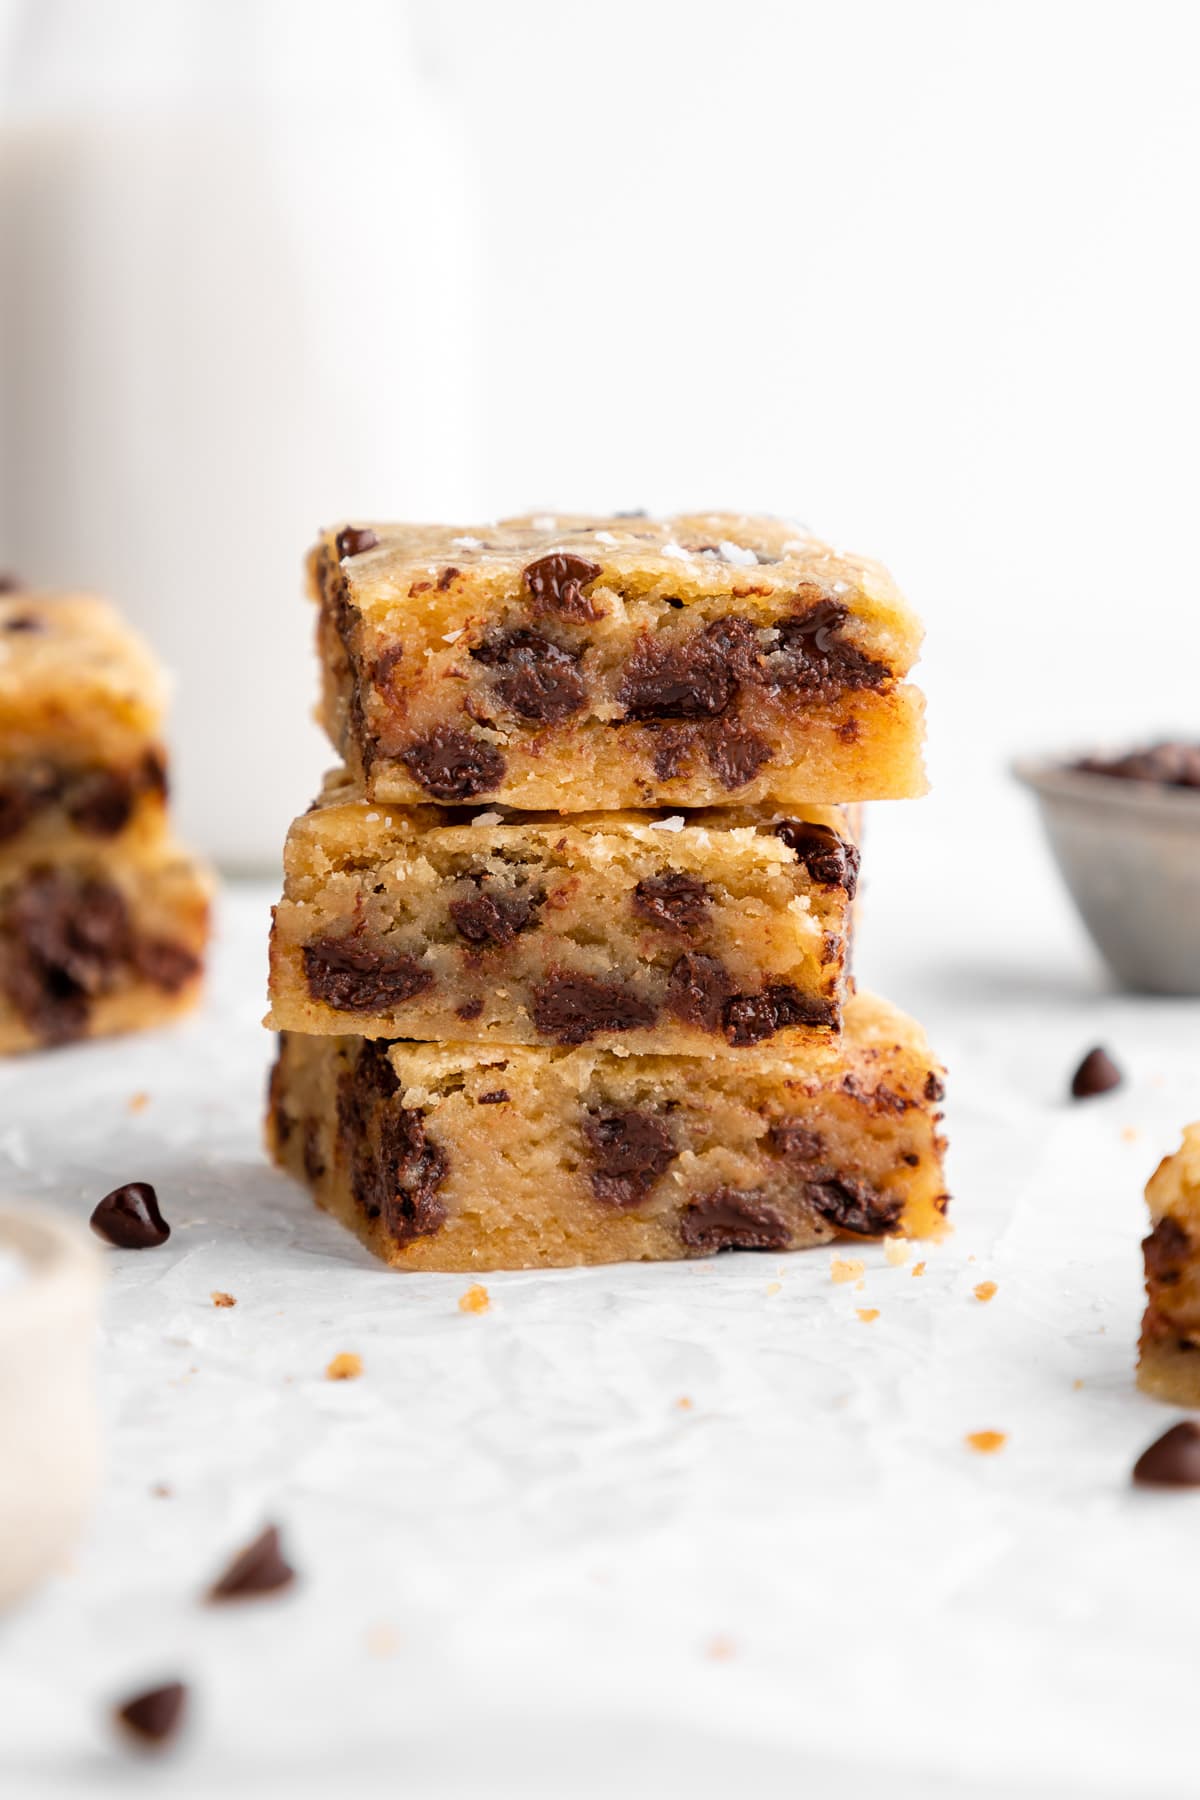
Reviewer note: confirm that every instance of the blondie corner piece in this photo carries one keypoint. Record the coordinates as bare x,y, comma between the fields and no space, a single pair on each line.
1169,1352
463,1157
585,664
647,931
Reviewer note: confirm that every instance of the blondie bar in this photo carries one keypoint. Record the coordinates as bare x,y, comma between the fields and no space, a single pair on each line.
585,664
651,931
1169,1353
460,1156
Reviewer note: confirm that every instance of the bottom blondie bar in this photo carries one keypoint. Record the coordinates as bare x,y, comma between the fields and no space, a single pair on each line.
1169,1353
468,1156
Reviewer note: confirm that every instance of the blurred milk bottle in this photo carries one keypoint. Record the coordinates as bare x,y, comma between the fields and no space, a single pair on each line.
235,305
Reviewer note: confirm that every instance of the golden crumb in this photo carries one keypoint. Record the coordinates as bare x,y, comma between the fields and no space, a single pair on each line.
984,1290
897,1251
684,1403
475,1300
220,1299
918,1269
1077,1383
161,1490
347,1365
1130,1134
847,1268
138,1102
382,1640
986,1442
774,1287
719,1649
868,1314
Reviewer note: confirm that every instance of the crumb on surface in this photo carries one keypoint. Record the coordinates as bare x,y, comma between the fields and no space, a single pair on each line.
719,1648
475,1300
161,1490
1077,1383
220,1299
868,1314
774,1287
985,1443
984,1290
138,1102
847,1268
347,1365
1130,1134
382,1640
896,1250
684,1403
918,1269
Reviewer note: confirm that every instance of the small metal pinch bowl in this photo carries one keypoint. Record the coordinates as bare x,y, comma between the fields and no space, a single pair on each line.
50,1277
1129,852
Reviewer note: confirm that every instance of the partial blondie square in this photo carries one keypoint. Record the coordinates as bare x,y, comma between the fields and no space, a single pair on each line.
461,1156
1169,1353
81,712
586,664
650,931
95,945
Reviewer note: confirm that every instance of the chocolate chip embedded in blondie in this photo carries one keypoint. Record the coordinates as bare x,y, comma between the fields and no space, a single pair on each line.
581,664
1169,1352
646,930
458,1156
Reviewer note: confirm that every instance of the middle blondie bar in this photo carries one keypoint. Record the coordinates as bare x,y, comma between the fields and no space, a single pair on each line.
647,930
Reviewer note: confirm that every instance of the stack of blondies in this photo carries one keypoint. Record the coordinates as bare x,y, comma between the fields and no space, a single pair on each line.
562,963
103,917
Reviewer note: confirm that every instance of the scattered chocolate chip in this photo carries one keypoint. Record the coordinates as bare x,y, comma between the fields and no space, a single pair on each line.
854,1206
495,1098
452,765
129,1217
556,584
353,975
814,661
797,1142
688,678
735,754
355,540
1169,764
697,990
751,1018
1165,1251
155,1716
1096,1074
630,1150
537,679
1173,1460
673,899
733,1219
570,1009
261,1568
830,860
493,919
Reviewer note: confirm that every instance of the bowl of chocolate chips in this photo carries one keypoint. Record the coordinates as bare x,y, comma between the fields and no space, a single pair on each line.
1125,831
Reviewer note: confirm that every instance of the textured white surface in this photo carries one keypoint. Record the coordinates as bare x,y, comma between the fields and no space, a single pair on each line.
526,1568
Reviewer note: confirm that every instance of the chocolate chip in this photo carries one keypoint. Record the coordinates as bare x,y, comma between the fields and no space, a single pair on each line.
797,1142
385,668
165,964
556,584
671,746
17,807
1165,1252
100,801
10,584
261,1568
673,899
1173,1460
26,622
129,1217
447,578
830,860
630,1150
155,1716
495,1098
735,754
751,1018
935,1088
537,679
687,678
469,1009
355,540
1096,1074
493,919
65,940
697,990
411,1169
570,1009
452,765
854,1206
352,974
814,661
733,1219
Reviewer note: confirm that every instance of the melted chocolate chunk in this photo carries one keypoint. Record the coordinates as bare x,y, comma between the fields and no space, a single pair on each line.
352,975
697,990
101,801
570,1009
735,754
17,808
813,660
354,540
1096,1074
385,668
935,1088
797,1142
129,1217
395,1167
1170,765
261,1568
469,1009
556,584
750,1018
733,1219
830,860
164,964
1173,1460
1166,1251
493,920
854,1206
630,1150
671,745
497,1097
674,900
691,678
537,679
452,765
65,941
155,1716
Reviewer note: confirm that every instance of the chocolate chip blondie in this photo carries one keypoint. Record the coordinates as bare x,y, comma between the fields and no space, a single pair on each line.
651,931
582,664
1169,1353
461,1156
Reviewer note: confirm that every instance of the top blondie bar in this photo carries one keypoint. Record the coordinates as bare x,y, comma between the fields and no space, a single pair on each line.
570,663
